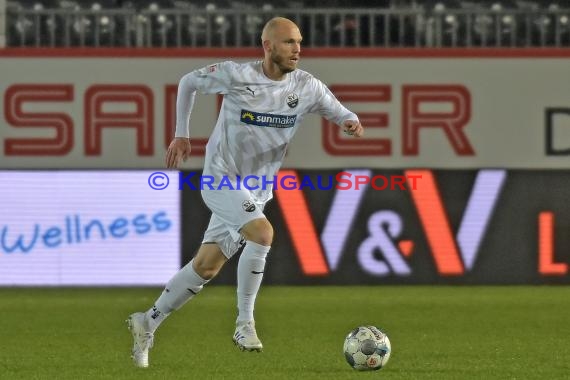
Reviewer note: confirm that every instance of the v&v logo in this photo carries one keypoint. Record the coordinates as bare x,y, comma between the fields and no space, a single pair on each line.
453,256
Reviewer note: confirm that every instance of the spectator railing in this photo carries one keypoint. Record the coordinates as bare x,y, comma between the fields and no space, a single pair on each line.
320,27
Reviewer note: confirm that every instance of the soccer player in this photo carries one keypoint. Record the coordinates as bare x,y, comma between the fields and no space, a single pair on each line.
264,104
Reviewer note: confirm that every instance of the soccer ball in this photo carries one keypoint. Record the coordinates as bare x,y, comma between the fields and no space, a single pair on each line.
367,348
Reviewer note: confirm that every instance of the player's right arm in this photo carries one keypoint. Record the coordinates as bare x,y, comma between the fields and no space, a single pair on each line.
213,79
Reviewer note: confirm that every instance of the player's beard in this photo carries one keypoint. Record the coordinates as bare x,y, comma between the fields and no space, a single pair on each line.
280,61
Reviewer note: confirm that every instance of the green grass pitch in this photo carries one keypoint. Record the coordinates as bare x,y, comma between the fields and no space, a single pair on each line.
436,333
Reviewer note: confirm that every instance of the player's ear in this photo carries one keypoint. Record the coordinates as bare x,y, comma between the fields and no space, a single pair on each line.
266,45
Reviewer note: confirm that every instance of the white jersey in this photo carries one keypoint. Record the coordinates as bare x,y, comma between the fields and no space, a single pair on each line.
258,117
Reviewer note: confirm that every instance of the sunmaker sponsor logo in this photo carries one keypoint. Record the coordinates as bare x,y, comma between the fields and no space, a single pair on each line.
267,119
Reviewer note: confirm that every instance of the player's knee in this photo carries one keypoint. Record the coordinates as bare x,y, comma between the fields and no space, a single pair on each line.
207,266
259,231
206,270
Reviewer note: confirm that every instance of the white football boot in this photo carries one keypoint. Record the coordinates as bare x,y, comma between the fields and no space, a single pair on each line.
143,339
246,338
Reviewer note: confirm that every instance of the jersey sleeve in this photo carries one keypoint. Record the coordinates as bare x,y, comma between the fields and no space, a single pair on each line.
327,105
212,79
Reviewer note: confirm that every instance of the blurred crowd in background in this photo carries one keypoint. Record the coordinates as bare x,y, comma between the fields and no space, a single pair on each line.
227,23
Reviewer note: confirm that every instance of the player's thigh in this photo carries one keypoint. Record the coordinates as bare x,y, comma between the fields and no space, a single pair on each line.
220,235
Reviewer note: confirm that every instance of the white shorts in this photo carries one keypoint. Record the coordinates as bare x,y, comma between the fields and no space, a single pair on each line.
231,210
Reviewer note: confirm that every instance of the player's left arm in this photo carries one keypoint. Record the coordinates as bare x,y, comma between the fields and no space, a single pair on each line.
328,106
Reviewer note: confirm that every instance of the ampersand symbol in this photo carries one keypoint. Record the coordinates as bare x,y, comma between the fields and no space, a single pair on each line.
383,228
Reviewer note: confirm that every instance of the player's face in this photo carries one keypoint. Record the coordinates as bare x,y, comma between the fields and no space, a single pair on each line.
287,49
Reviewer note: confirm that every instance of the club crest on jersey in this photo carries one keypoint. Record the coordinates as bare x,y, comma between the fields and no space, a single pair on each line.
292,100
267,119
248,206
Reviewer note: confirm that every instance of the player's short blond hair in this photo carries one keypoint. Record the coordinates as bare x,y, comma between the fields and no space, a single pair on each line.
274,23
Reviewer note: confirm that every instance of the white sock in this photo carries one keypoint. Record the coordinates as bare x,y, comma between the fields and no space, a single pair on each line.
180,289
249,275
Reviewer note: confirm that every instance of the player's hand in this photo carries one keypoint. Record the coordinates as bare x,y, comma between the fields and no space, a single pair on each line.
178,150
353,128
